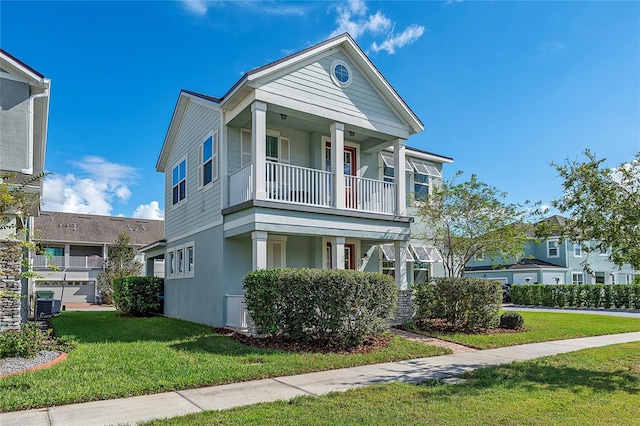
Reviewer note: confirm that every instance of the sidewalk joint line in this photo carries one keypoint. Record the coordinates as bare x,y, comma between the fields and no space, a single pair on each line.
190,401
275,379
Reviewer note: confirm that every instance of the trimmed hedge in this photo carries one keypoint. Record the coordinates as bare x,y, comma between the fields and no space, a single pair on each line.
577,295
468,303
332,307
138,296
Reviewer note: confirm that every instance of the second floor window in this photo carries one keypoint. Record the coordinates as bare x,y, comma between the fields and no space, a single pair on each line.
179,182
577,250
552,248
420,186
209,160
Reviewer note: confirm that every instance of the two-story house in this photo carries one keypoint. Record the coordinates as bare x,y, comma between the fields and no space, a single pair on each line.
302,163
72,249
554,261
24,115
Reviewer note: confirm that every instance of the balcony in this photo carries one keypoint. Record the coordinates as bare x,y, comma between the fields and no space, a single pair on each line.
41,261
304,186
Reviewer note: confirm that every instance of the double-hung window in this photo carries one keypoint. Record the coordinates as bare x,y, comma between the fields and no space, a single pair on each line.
577,278
420,186
209,160
577,250
179,182
189,268
552,248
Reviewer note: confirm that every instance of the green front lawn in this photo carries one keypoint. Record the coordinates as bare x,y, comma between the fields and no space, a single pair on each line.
598,386
544,327
119,357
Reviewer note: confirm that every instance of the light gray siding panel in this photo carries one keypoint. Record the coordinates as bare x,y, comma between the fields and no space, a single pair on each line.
14,122
201,298
202,205
312,83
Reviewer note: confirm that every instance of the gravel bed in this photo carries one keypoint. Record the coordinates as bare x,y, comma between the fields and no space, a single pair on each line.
11,365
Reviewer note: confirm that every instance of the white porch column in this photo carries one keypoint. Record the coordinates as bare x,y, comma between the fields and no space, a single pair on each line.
258,152
222,161
259,250
401,264
337,254
400,176
337,165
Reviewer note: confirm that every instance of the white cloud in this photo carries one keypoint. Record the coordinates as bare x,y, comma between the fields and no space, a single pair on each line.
393,42
353,19
149,211
197,7
94,193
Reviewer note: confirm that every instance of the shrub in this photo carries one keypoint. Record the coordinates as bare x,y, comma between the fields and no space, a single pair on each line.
578,295
138,296
468,303
331,307
25,343
511,320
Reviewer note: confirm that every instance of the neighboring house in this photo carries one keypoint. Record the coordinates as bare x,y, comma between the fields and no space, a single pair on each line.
72,249
554,261
24,116
290,168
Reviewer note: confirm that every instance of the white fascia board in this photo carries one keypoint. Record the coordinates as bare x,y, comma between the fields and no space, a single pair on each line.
410,153
174,124
233,113
383,85
387,128
234,90
30,74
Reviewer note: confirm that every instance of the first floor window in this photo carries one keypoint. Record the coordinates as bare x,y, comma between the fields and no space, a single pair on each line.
179,182
420,272
577,278
190,260
172,263
180,260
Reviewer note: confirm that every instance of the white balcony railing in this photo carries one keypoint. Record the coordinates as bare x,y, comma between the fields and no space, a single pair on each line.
75,262
241,185
370,195
236,312
298,185
301,185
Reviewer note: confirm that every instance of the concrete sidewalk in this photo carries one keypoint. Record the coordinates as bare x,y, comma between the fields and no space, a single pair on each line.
171,404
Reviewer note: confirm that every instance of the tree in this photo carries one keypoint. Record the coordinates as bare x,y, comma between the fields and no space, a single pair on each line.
603,205
466,219
120,263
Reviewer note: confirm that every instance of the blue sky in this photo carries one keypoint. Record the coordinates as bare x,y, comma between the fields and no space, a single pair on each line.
502,87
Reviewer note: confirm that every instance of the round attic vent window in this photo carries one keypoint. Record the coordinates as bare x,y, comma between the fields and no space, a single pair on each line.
340,73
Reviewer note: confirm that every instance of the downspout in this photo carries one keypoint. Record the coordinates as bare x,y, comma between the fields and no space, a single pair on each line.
29,170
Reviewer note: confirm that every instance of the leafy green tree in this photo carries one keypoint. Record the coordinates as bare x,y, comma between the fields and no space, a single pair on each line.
471,218
121,263
603,205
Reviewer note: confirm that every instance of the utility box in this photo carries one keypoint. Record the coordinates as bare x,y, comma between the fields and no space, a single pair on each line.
47,307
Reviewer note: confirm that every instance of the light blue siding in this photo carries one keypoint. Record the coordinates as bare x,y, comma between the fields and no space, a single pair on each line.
312,83
202,207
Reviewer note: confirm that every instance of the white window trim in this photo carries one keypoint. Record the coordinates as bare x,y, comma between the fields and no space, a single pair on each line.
189,273
577,246
412,182
555,241
574,274
281,159
186,175
335,80
215,167
176,267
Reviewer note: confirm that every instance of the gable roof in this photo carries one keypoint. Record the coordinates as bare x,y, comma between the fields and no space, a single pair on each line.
344,41
357,54
21,67
93,229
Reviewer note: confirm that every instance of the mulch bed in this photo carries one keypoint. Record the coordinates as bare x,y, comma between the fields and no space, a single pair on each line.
441,326
370,344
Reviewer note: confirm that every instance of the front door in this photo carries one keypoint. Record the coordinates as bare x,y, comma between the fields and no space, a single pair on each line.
350,169
349,256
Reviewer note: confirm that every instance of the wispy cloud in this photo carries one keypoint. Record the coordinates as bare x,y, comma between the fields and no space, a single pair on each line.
396,41
92,189
551,47
354,19
197,7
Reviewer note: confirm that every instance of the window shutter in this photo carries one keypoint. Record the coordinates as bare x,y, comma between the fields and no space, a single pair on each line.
284,150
